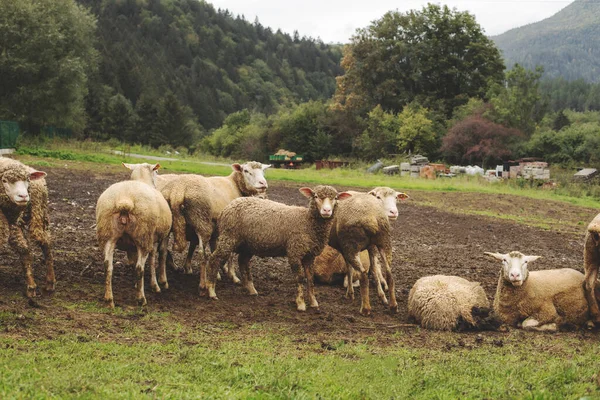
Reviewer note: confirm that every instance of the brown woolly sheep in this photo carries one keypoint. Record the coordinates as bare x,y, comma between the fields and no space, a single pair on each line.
362,224
197,201
133,216
538,300
450,303
591,259
24,203
255,227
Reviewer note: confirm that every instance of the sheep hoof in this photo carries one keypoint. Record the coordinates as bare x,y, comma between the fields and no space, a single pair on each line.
156,289
50,286
301,307
213,298
236,280
218,276
110,303
31,291
365,311
142,302
164,284
394,308
188,271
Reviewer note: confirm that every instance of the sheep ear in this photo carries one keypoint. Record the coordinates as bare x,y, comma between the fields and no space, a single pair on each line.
36,175
265,166
307,192
156,167
531,258
343,196
401,196
372,193
236,167
497,256
128,166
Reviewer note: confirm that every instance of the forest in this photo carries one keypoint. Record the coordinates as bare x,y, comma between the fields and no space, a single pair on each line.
184,74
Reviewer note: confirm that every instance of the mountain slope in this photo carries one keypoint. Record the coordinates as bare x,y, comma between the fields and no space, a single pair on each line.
567,44
212,61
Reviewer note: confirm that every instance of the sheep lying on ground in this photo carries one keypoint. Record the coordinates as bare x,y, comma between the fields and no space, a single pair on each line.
197,201
538,300
591,258
328,264
256,227
24,203
450,303
133,216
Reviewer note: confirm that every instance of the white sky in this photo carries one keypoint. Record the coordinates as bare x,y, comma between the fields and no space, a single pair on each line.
336,20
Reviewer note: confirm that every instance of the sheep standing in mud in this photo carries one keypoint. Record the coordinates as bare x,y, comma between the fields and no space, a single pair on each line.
256,227
24,204
538,300
196,202
450,303
133,216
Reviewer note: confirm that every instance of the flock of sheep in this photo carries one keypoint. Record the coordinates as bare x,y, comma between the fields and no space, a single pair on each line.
337,233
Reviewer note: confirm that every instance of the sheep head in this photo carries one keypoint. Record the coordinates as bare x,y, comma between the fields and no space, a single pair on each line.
514,266
324,199
143,172
389,197
15,181
253,174
594,229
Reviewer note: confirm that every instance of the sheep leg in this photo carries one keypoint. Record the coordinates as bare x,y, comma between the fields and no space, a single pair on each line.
139,271
300,277
309,273
376,267
230,271
109,249
19,244
153,281
386,257
187,266
591,265
162,262
531,324
49,261
354,262
215,262
244,263
203,261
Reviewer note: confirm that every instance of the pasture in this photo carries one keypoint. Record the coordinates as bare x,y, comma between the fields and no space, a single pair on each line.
183,346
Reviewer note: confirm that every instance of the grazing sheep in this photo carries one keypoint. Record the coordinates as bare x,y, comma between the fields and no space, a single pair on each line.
450,303
538,300
327,264
256,227
24,203
197,201
591,258
133,216
362,224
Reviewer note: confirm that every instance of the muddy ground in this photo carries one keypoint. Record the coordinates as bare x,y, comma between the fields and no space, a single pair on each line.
426,240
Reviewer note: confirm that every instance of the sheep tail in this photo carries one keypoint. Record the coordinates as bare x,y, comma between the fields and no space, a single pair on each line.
177,207
124,207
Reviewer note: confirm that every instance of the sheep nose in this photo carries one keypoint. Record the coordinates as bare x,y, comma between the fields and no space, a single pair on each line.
263,183
326,210
23,196
394,212
515,275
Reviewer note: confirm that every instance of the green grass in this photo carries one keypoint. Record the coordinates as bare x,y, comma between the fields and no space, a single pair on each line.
262,365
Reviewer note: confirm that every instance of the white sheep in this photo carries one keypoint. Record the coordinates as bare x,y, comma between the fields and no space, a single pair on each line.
197,201
24,204
450,303
133,216
538,300
256,227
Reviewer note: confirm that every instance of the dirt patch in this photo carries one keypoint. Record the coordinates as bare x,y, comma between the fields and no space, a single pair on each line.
427,240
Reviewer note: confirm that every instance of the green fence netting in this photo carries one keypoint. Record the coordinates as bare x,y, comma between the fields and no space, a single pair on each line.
9,131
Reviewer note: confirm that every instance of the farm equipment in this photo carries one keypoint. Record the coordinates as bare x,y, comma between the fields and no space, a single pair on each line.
286,159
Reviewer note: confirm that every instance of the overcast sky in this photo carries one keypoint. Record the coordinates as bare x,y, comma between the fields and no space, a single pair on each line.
336,20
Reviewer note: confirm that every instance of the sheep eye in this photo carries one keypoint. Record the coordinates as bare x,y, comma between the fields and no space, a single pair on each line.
379,197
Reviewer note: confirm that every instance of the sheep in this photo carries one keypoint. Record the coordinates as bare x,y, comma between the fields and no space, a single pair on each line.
450,303
24,203
361,223
591,258
133,216
538,300
327,264
196,202
251,226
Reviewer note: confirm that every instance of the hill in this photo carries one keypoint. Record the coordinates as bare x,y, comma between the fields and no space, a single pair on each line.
567,44
213,61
